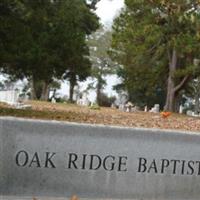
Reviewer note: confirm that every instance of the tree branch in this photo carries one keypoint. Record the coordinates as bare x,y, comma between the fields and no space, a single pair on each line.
169,56
180,85
155,45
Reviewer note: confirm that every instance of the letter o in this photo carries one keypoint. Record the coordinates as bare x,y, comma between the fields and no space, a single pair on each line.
25,158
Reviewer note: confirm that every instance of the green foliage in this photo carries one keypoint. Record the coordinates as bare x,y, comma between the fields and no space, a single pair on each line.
42,40
106,101
92,3
55,85
80,22
95,107
144,36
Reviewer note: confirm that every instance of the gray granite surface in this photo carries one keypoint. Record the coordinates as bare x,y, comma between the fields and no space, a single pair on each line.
48,158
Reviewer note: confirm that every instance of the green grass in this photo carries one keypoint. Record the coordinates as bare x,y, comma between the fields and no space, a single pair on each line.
28,113
95,107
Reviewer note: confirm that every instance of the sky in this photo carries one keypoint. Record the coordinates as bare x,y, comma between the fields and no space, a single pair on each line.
107,10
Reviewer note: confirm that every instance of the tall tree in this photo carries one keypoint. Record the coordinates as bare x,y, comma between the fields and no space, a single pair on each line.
81,22
102,65
51,43
155,38
32,55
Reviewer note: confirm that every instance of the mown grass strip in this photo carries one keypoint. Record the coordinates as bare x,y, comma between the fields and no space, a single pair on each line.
29,113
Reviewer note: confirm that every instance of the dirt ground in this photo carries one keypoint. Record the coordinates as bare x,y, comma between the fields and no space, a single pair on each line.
106,116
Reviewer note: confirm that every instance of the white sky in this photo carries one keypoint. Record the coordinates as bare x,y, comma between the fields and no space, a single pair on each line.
106,10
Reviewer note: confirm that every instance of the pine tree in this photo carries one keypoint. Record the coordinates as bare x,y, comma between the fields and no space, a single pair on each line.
157,41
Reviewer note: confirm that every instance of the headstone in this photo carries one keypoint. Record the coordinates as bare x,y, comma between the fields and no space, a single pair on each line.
9,96
181,109
12,98
65,98
53,100
77,93
78,102
45,158
83,101
129,106
113,105
86,101
155,109
195,115
135,109
189,113
122,107
122,99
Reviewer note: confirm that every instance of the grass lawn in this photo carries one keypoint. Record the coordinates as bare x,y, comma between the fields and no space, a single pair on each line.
106,116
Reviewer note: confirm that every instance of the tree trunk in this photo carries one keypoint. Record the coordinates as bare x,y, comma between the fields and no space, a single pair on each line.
197,104
169,105
45,91
32,85
98,92
71,92
54,94
170,99
172,89
177,102
72,83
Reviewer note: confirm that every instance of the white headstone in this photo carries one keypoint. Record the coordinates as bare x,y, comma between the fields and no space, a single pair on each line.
189,113
129,107
53,100
9,96
121,107
181,109
157,108
84,101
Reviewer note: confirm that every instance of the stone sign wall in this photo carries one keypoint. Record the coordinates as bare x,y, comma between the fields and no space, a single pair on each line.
49,158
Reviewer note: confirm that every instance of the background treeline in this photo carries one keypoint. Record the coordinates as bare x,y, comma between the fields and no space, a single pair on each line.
154,48
43,40
158,44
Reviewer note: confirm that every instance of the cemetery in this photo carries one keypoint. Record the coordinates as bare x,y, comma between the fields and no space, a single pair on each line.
106,116
99,99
